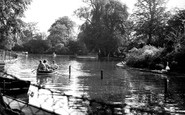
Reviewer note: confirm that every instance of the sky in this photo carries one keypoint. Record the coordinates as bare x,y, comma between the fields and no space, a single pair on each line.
45,12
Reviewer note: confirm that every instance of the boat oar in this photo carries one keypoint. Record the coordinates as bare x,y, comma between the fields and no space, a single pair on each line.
34,70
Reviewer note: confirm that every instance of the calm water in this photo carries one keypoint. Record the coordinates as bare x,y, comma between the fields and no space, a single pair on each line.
128,86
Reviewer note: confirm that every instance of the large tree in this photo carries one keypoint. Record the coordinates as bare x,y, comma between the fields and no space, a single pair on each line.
11,12
104,27
61,31
150,17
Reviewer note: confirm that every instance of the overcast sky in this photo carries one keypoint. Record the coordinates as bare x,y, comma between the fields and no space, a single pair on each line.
45,12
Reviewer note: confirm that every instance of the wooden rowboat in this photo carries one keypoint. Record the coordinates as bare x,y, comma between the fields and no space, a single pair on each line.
12,86
45,72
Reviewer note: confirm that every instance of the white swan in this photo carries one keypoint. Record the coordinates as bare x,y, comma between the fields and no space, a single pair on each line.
167,67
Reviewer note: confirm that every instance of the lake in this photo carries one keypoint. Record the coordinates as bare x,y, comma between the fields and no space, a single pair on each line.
118,85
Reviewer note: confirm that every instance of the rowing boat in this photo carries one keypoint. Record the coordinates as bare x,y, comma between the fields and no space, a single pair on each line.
44,72
12,86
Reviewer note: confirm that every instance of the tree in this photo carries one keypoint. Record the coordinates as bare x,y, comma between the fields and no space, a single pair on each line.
105,25
61,31
29,31
175,40
11,12
150,19
38,44
176,26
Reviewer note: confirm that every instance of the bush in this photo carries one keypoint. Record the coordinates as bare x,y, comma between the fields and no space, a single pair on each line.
146,57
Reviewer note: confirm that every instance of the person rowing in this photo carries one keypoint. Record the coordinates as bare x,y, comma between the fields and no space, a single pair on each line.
48,67
41,66
54,66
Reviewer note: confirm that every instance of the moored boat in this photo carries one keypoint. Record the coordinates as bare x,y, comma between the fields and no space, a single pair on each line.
2,65
12,86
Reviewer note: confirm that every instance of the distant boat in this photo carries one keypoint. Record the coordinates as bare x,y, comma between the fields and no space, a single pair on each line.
90,57
12,86
25,53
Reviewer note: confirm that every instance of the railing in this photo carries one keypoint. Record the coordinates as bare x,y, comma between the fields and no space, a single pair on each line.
7,55
45,101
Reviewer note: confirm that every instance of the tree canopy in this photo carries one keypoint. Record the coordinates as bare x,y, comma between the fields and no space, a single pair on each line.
149,18
61,31
11,12
105,25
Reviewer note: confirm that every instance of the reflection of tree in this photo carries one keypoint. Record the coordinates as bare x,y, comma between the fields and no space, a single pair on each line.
176,90
148,93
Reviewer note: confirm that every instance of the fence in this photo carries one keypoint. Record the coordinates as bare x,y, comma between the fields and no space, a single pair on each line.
45,101
7,55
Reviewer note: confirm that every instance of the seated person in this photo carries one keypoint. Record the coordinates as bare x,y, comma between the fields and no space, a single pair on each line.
41,66
54,65
46,65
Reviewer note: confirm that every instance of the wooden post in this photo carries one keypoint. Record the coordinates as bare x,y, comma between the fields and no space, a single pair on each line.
3,86
5,55
69,71
165,88
101,74
8,55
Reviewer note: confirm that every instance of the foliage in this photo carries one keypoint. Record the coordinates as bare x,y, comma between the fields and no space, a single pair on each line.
175,41
146,57
102,17
28,33
76,47
10,22
61,31
175,30
36,46
150,19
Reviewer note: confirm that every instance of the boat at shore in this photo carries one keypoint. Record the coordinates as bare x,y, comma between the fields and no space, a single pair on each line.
2,65
12,86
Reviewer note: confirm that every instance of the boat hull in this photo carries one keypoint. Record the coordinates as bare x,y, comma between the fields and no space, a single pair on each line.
45,72
13,87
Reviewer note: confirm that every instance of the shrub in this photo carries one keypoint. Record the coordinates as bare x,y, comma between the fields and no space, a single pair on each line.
146,57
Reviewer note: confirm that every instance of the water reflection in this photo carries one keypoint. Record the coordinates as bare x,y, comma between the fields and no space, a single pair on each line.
138,90
43,80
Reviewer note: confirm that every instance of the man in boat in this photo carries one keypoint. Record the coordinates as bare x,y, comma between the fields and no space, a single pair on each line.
48,67
41,66
54,65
